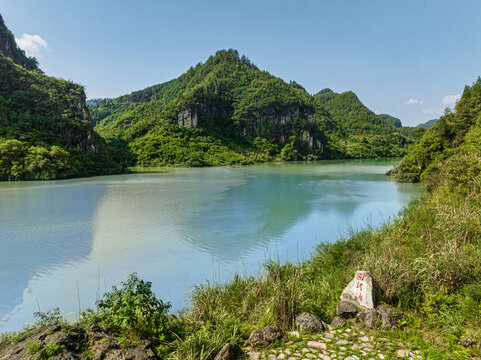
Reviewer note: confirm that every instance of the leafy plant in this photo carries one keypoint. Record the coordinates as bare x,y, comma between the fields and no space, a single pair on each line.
133,309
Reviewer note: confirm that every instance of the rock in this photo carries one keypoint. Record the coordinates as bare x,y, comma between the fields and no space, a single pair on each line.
230,352
346,309
467,341
360,290
389,317
308,322
370,319
263,337
383,316
187,118
402,353
294,333
338,321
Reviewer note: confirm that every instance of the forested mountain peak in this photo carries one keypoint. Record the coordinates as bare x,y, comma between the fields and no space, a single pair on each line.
326,91
230,99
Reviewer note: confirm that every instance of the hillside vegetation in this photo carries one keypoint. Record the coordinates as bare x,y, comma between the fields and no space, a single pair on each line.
234,113
45,126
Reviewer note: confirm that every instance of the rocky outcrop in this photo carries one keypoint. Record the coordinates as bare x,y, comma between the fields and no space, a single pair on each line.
309,322
9,48
346,309
264,337
230,352
188,118
73,343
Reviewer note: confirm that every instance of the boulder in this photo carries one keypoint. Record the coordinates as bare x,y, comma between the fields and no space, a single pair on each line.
389,317
308,322
338,321
263,337
360,290
347,309
383,316
230,352
369,318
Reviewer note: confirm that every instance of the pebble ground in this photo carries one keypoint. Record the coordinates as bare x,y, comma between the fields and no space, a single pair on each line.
340,344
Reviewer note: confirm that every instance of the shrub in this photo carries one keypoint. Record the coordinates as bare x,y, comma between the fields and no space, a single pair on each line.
133,310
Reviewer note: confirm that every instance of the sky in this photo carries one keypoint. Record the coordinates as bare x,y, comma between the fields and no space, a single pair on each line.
410,59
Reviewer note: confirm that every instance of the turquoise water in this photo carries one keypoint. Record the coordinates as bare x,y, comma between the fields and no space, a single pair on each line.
177,228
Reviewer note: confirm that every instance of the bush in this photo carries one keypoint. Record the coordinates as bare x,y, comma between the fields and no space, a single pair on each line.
133,310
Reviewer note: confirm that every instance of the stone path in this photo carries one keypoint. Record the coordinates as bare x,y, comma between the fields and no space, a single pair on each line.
340,344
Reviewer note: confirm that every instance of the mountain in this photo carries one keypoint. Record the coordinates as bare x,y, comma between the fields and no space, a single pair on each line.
227,110
452,143
394,121
427,124
355,131
45,127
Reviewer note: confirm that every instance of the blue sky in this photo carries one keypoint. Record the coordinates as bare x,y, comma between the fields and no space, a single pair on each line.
406,58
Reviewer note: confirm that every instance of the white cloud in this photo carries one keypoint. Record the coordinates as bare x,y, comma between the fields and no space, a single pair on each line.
414,101
450,100
432,111
33,45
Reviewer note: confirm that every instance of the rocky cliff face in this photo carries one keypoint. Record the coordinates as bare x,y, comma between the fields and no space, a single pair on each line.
276,126
41,108
188,118
9,48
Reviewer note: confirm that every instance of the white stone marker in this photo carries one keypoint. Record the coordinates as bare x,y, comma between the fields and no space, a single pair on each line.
360,290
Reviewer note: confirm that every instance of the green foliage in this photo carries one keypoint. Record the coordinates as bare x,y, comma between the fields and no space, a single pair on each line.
354,131
394,121
50,350
133,310
45,130
452,134
170,146
33,347
49,318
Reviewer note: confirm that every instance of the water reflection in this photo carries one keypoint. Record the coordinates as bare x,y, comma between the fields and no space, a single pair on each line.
176,229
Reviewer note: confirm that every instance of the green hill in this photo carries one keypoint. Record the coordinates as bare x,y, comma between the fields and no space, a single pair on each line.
45,127
355,131
427,124
228,111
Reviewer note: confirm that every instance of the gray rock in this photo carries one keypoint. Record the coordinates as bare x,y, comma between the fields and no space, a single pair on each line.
338,321
230,352
346,309
383,316
309,322
263,337
360,290
370,319
389,317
